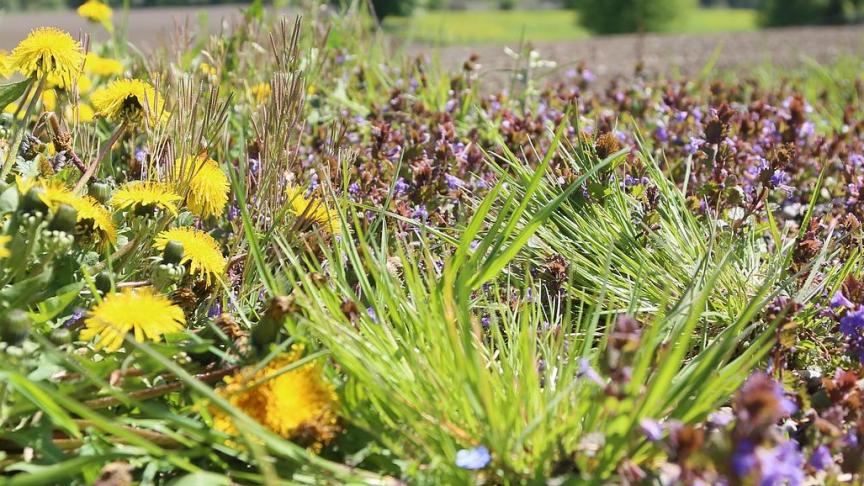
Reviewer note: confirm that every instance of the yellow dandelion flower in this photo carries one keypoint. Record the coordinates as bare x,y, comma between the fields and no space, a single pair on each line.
49,100
207,69
208,185
261,92
47,50
128,100
83,114
310,210
143,311
145,197
298,404
4,250
98,12
11,108
92,218
200,251
83,83
6,69
102,66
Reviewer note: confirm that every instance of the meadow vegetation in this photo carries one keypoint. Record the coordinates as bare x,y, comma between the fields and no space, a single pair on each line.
289,254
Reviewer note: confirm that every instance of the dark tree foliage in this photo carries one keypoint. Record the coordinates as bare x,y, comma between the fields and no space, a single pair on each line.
778,13
621,16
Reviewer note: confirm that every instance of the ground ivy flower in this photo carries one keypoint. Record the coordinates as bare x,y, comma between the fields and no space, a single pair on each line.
200,251
208,185
102,66
145,197
298,404
129,100
310,210
474,458
143,311
47,50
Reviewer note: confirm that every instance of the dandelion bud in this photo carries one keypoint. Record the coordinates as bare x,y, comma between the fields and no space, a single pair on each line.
64,219
103,282
173,252
99,191
14,326
60,336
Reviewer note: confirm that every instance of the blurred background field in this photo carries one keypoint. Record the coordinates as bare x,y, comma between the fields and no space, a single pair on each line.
552,24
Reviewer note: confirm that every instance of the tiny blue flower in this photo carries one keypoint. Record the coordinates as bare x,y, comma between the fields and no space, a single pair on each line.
474,458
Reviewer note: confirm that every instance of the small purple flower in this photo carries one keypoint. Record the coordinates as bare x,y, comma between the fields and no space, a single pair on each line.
722,417
781,465
400,188
354,189
141,155
420,213
372,315
744,458
853,322
75,318
778,178
453,182
214,310
821,458
586,371
856,159
652,429
840,300
474,458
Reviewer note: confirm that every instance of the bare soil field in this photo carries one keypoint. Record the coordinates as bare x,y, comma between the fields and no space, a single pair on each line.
605,56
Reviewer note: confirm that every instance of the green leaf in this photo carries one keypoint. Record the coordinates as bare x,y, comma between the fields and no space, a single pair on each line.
50,308
11,92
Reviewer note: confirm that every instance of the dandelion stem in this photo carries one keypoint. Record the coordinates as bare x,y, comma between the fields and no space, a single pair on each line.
156,391
102,154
